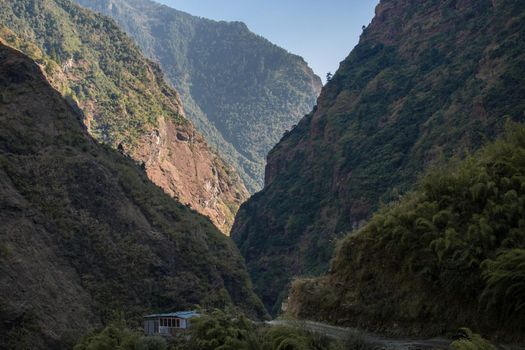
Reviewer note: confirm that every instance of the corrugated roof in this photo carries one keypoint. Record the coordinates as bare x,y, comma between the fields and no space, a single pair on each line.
179,314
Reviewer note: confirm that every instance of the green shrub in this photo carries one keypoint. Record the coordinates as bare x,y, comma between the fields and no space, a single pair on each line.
505,282
226,331
471,341
117,336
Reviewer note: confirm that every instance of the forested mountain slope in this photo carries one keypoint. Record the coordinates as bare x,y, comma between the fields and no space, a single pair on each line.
241,91
428,80
450,254
84,234
124,99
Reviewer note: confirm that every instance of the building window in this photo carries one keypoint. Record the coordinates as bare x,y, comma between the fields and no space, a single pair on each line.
170,322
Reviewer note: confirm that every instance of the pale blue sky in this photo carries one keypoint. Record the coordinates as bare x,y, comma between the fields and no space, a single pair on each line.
322,31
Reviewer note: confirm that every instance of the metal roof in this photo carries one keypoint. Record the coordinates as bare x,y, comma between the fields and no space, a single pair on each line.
178,314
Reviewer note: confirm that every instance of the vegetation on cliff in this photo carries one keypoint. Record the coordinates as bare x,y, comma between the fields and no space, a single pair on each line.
241,91
124,100
450,253
428,80
85,235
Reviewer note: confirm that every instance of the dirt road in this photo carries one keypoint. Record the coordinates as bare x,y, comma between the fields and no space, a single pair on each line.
382,342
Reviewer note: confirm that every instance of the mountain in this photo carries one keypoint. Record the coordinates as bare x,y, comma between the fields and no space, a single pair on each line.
125,101
241,91
85,235
427,81
449,254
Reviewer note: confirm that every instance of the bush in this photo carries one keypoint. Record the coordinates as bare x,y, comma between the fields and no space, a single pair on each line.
117,336
224,331
470,341
505,282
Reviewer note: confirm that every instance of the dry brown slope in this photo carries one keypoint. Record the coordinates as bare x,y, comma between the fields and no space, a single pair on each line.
125,101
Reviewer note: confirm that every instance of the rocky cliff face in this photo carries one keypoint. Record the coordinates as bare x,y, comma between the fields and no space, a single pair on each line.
241,91
426,81
178,160
85,235
125,101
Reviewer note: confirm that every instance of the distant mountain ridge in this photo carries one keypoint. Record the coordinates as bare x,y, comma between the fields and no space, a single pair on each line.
427,80
241,91
85,236
125,101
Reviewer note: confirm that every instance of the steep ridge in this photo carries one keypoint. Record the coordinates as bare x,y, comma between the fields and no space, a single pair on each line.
450,254
85,235
427,81
125,101
241,91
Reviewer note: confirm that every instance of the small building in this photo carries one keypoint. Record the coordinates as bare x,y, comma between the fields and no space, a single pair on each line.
168,324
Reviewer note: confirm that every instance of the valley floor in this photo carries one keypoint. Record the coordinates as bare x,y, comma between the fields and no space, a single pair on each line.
381,342
371,338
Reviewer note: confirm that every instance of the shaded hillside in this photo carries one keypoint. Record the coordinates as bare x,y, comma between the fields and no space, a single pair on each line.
125,101
449,254
426,81
241,91
85,235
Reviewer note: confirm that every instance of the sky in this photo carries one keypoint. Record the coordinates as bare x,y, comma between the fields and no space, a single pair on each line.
323,32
